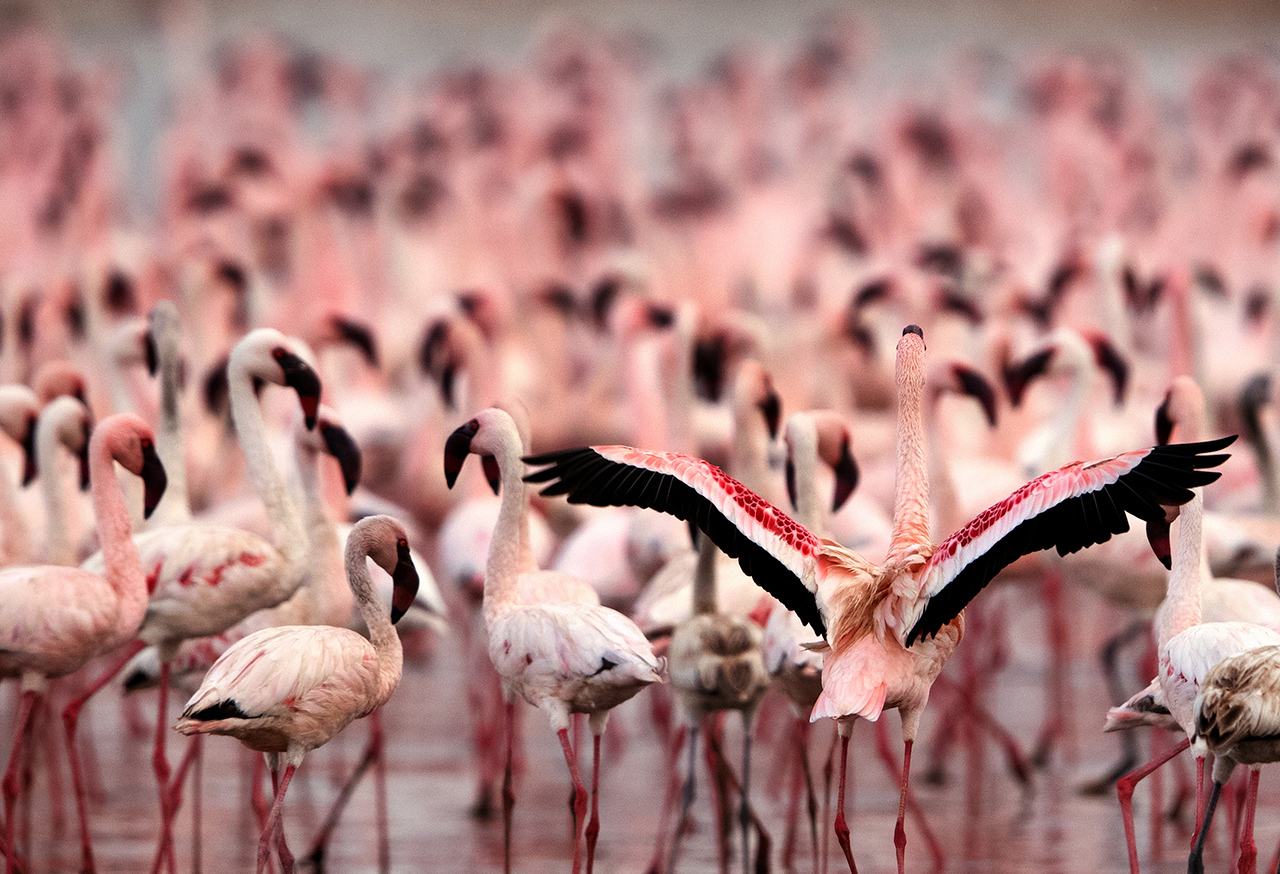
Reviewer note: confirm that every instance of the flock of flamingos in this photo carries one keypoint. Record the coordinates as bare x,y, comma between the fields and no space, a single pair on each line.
877,352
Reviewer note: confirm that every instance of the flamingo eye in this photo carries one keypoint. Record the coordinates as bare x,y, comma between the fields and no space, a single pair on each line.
144,443
277,353
474,424
403,542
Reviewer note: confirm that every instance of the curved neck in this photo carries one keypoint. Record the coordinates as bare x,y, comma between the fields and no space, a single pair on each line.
15,533
704,579
323,586
175,506
119,552
911,490
58,522
505,550
377,616
1182,603
749,452
290,536
810,511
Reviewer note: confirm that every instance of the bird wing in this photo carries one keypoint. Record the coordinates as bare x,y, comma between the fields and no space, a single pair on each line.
1240,699
1070,508
773,549
278,668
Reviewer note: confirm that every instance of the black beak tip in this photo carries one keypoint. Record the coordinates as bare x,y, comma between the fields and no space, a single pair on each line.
154,481
404,583
151,353
343,448
456,450
492,473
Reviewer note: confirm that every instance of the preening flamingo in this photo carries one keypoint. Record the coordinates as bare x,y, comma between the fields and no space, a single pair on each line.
285,691
563,658
204,578
890,628
58,618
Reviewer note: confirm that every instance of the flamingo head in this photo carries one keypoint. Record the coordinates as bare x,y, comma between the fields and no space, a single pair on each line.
332,438
1183,410
384,540
835,442
459,446
275,358
963,379
19,409
132,443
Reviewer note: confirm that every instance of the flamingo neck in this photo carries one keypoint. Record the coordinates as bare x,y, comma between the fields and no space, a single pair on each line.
749,452
1182,603
290,535
175,505
945,496
119,553
680,427
325,594
705,601
509,536
59,516
643,375
810,511
911,490
15,533
377,616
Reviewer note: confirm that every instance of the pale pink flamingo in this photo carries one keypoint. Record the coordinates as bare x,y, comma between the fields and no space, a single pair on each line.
19,409
889,628
62,427
1237,718
562,657
204,578
285,691
58,618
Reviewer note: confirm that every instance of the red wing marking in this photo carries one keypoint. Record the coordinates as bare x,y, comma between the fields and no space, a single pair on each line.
185,578
153,578
252,559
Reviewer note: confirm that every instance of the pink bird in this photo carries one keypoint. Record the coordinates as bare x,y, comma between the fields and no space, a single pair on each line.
204,578
889,628
562,657
288,690
58,618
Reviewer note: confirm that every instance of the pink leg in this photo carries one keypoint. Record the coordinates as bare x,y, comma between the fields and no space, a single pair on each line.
258,800
842,827
1124,789
1248,849
717,789
799,734
197,805
160,765
593,825
826,800
1157,797
10,784
273,822
70,718
579,797
164,854
1200,802
508,791
674,743
1052,728
378,748
900,831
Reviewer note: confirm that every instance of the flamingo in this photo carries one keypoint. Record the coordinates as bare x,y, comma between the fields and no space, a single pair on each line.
64,423
19,409
562,657
204,578
889,628
57,618
1236,719
286,691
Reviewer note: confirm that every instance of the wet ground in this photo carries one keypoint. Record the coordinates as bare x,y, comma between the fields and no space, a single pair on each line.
985,822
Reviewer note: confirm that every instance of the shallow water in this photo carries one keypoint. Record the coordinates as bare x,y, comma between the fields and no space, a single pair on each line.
985,823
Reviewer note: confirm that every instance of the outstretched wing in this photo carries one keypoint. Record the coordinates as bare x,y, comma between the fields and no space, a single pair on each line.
773,549
1076,506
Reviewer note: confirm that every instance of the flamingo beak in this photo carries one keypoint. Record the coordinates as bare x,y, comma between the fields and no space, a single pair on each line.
977,386
1158,537
359,335
1018,376
151,352
456,450
299,376
404,583
771,407
791,481
342,447
492,474
29,469
1110,360
154,479
1164,423
846,470
84,458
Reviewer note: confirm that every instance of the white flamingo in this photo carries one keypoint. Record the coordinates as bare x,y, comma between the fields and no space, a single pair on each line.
285,691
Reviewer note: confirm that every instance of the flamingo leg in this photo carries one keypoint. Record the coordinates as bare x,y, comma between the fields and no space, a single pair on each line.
160,765
716,784
273,822
687,801
593,825
377,749
10,785
842,827
165,853
579,797
1124,789
827,767
669,798
732,785
1195,864
197,785
744,812
806,772
70,719
508,792
1248,863
1051,730
797,782
369,758
1199,797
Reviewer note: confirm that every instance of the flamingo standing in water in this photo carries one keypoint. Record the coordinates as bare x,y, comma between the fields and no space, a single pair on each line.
889,628
285,691
58,618
204,578
562,657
